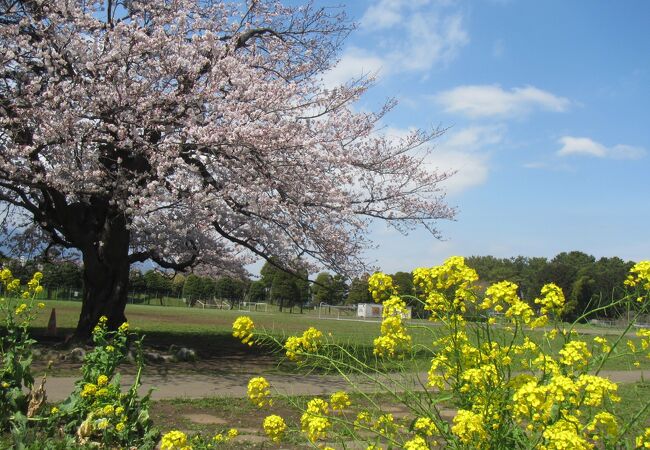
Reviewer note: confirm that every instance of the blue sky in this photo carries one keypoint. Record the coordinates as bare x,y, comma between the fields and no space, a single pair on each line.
547,104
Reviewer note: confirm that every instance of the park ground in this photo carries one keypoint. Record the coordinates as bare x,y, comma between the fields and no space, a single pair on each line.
208,394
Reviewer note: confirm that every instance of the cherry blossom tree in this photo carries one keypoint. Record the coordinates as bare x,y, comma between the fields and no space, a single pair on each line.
195,134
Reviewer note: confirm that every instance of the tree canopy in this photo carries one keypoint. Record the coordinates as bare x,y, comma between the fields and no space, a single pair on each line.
195,134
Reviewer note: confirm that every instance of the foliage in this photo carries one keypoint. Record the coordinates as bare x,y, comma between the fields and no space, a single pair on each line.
196,134
285,288
177,440
588,283
230,289
508,391
18,310
96,412
358,292
329,289
256,292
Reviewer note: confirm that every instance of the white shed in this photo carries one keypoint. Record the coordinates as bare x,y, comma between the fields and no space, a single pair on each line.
369,310
374,310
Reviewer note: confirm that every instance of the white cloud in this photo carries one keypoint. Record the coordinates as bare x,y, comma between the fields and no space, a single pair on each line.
388,13
430,40
583,146
409,36
354,63
465,151
477,101
384,14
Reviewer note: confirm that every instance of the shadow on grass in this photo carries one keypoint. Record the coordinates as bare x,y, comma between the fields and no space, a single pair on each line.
216,350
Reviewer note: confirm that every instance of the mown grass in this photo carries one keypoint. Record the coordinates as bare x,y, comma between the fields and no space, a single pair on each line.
209,332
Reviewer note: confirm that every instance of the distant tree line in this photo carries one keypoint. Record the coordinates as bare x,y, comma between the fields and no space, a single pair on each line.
587,282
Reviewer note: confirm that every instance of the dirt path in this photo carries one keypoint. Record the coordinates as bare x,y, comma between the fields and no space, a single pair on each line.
186,385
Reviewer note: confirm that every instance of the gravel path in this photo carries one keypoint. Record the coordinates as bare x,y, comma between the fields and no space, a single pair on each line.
198,386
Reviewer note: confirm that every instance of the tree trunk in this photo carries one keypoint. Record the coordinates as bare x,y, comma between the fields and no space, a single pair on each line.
106,278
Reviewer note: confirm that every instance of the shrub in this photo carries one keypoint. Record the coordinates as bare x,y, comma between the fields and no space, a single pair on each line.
517,378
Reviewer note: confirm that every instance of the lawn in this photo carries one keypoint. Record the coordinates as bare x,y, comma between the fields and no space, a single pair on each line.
209,330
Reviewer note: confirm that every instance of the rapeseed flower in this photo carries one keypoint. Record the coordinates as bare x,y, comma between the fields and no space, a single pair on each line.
174,440
89,390
469,427
242,328
417,443
339,401
552,300
313,421
381,287
259,392
639,275
575,354
274,427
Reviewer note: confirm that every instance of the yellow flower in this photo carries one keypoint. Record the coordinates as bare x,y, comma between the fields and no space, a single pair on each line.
552,301
639,275
108,410
313,423
563,434
417,443
6,276
596,389
643,441
311,339
120,427
315,427
103,392
174,440
218,438
605,347
102,424
41,305
385,425
469,427
575,354
232,433
54,410
604,424
259,391
21,308
124,327
425,426
309,342
274,427
89,390
340,400
380,286
102,380
363,420
110,348
119,410
242,328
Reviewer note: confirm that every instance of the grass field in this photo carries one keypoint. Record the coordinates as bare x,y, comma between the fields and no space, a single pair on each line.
209,330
